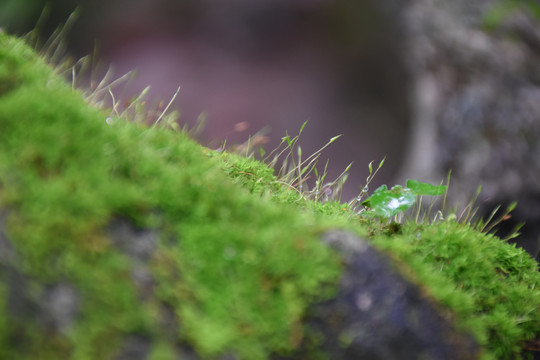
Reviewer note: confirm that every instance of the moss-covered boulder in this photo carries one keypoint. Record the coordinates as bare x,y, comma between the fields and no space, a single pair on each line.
119,241
90,206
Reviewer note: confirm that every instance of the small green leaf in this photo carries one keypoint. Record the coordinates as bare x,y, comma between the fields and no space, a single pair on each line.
367,203
420,188
384,203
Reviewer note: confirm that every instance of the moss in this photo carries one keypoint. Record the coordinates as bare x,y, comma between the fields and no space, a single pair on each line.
239,271
253,175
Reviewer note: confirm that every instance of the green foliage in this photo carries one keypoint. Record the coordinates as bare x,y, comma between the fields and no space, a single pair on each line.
385,204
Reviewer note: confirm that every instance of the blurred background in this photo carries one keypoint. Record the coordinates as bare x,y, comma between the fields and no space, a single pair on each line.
433,86
247,66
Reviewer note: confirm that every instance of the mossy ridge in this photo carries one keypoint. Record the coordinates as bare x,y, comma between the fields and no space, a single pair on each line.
259,179
65,173
490,287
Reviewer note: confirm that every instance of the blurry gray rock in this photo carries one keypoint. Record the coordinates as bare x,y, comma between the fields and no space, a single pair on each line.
58,306
139,245
135,348
476,104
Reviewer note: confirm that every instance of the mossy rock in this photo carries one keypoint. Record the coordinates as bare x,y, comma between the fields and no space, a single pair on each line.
114,234
69,180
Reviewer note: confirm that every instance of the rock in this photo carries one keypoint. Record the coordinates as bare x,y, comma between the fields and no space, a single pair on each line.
376,314
476,104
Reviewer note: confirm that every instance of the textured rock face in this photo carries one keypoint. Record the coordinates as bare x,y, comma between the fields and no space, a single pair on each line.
378,314
477,103
55,307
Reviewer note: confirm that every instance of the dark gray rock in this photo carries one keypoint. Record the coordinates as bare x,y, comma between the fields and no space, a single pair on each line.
59,306
379,314
138,244
135,347
7,253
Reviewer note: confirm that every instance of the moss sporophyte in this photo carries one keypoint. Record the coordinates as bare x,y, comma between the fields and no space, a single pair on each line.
236,259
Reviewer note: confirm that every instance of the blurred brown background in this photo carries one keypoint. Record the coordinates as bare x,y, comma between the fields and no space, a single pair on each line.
274,64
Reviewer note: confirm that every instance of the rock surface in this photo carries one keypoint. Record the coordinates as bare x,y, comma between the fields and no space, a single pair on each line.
476,104
376,314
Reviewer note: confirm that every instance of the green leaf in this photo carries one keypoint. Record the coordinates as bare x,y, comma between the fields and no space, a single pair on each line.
420,188
384,203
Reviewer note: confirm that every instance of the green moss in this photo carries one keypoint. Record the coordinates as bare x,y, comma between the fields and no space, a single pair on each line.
259,179
239,271
253,175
